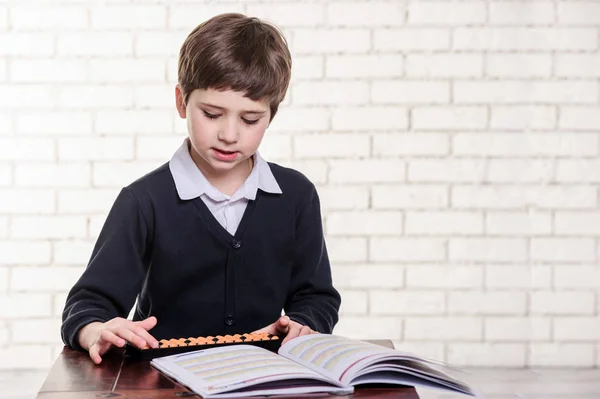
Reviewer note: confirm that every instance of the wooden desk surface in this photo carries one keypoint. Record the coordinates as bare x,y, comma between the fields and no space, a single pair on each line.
75,376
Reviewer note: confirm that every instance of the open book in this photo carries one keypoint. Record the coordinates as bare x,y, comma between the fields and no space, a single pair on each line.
310,363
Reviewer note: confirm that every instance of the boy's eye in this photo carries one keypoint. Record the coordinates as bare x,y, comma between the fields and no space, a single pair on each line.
211,116
246,121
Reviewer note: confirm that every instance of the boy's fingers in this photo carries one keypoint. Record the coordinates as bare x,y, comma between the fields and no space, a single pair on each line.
147,324
146,336
110,337
94,354
305,330
293,333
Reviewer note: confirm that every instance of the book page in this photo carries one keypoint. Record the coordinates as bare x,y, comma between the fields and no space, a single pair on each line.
217,370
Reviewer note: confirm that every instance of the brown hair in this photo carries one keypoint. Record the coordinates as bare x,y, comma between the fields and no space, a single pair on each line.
234,52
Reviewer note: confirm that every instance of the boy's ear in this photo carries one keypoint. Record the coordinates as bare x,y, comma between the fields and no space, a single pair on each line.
179,102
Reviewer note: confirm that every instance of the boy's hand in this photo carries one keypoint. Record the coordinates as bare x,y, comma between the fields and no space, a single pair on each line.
98,337
287,327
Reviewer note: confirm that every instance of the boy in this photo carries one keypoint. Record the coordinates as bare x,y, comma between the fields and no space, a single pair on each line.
216,241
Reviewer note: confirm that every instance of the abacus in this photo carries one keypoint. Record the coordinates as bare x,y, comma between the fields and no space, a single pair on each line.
174,346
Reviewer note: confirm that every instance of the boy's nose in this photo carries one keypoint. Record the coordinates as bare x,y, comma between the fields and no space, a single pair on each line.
228,134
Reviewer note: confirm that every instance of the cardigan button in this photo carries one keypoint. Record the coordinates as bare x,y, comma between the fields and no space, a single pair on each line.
236,244
229,321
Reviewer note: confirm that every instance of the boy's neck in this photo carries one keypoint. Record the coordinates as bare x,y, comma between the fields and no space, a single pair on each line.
228,182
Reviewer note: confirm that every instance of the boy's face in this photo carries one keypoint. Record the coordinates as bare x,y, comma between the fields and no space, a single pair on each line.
225,128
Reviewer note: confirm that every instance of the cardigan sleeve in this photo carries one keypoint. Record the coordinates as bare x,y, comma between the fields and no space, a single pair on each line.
113,277
312,300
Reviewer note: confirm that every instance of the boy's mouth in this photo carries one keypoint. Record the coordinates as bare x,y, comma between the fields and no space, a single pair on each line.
225,155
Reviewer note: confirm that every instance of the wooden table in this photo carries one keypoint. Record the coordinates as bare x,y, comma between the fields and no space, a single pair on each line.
75,376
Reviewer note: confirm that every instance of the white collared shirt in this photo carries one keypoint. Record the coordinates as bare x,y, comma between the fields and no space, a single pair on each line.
228,210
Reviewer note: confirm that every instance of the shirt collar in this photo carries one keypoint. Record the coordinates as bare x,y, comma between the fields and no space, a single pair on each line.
191,183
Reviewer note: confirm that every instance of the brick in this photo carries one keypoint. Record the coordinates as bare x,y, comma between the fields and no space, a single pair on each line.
446,170
308,67
443,223
579,118
4,332
577,223
368,118
88,201
518,144
562,303
4,277
577,65
24,44
563,249
133,122
159,43
290,15
518,223
409,196
72,252
406,39
449,118
364,66
52,175
128,17
331,41
26,357
427,350
446,276
22,96
48,71
187,17
443,13
579,13
576,328
45,331
521,329
91,149
14,306
361,327
444,329
299,119
444,65
510,197
6,173
154,96
54,123
578,170
26,149
24,252
49,227
576,277
315,169
386,303
44,279
3,25
487,354
514,13
127,71
343,249
273,147
518,277
410,144
84,97
103,44
343,197
406,92
4,224
487,303
523,117
53,17
406,249
369,275
561,354
328,145
59,301
520,170
519,65
367,171
488,249
27,201
354,302
524,92
156,147
521,38
6,125
330,93
118,174
95,226
374,14
364,223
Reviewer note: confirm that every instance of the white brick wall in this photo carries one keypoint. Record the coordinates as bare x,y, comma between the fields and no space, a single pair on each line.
455,146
